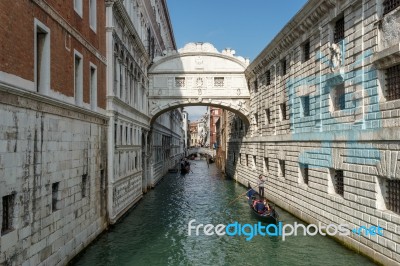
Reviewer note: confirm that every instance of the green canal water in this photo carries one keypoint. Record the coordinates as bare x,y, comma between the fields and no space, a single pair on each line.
156,231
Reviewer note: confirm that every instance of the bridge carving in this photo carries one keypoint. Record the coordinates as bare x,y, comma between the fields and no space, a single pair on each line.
199,75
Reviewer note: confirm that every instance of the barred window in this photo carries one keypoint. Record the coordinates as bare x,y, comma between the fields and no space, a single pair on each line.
338,97
266,164
304,172
389,5
268,77
219,82
55,196
339,30
305,105
393,196
338,182
179,82
8,211
281,168
283,111
284,67
393,83
306,50
267,116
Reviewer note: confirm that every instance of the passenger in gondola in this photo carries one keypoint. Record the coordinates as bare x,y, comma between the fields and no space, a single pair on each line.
182,164
259,206
266,205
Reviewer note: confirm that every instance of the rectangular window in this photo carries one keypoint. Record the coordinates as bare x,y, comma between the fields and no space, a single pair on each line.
55,196
78,79
93,87
8,214
136,162
305,105
304,172
179,82
254,162
256,85
78,7
42,57
121,133
131,140
247,160
393,196
219,82
284,66
126,135
393,82
282,107
338,181
338,97
268,77
115,133
93,14
84,185
339,31
389,5
281,168
266,164
306,50
267,116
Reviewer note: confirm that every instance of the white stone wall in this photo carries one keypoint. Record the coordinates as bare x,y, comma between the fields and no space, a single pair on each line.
42,143
361,140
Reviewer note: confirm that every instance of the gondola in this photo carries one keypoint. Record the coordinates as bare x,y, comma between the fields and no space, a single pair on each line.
185,170
269,217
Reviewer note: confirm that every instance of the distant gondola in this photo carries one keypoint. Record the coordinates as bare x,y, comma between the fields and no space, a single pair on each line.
185,170
267,216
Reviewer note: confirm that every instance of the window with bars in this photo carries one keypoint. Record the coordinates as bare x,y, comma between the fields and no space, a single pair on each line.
390,5
84,185
281,168
267,116
393,83
338,181
266,164
338,97
306,50
304,172
283,111
180,82
339,30
8,211
284,66
305,105
268,77
393,196
219,82
54,196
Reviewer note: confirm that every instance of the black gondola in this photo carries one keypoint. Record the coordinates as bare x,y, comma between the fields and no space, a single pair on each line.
185,170
268,216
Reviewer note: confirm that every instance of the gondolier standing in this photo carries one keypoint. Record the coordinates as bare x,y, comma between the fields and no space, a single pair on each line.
261,185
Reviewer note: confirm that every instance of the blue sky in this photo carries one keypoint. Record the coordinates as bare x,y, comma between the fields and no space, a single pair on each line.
245,26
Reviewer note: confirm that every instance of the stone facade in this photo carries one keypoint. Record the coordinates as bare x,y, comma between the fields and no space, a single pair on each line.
323,128
53,130
134,37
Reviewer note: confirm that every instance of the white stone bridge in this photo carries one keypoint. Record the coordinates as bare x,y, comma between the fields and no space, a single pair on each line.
199,150
199,75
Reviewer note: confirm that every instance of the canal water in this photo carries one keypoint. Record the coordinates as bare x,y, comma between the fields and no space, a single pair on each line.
156,231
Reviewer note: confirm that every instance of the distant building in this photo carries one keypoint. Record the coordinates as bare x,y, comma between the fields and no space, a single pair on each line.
215,114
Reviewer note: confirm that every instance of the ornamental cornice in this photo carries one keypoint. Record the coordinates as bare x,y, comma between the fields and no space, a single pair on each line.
305,20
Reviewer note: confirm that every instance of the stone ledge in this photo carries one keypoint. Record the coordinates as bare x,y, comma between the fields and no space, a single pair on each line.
387,57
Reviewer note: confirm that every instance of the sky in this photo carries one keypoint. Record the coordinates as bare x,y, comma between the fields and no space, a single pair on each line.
245,26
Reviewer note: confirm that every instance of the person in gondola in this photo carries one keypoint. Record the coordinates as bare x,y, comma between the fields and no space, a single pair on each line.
187,165
182,164
266,205
261,186
259,206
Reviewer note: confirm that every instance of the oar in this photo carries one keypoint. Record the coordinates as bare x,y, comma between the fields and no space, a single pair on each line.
232,201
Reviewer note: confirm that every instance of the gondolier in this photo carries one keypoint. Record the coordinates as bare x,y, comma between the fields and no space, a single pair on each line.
261,186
